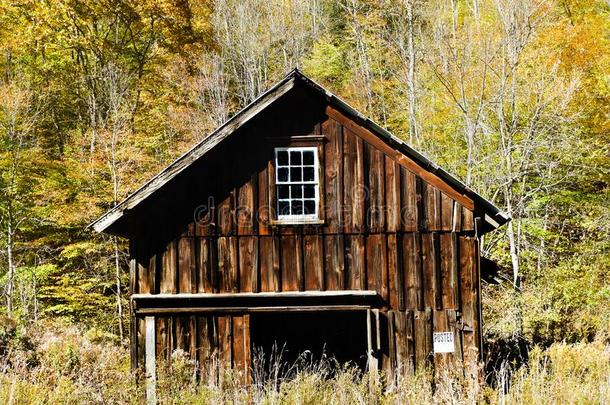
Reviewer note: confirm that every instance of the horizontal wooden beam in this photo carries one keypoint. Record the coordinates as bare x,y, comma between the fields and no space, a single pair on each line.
221,310
297,300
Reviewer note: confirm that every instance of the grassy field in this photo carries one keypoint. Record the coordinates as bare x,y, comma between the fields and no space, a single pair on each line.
57,364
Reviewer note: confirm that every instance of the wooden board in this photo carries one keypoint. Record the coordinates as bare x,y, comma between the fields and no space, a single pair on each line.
207,256
227,264
187,273
248,264
376,264
395,272
313,262
168,279
334,262
392,195
292,263
354,192
423,338
333,176
374,164
270,263
355,276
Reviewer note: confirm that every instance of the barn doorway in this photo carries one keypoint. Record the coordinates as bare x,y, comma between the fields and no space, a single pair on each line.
301,338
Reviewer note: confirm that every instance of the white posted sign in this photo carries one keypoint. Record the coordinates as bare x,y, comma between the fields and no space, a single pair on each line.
443,342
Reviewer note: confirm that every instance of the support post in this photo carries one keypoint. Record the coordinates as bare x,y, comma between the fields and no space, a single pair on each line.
151,374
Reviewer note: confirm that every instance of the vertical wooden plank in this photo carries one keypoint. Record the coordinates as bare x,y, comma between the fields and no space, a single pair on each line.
395,272
392,195
139,342
161,338
248,264
428,269
376,264
313,262
270,263
391,366
205,217
238,345
142,284
292,270
468,298
183,333
446,212
354,192
133,344
373,363
206,346
225,341
334,262
432,201
423,338
207,265
167,284
333,151
405,360
477,285
192,337
467,220
413,271
227,264
455,271
422,213
263,206
375,193
246,207
152,274
408,200
452,322
247,349
409,354
355,277
437,275
186,264
456,225
449,281
226,214
272,201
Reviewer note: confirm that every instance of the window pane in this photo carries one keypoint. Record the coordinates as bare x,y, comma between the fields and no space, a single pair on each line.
283,208
309,191
295,174
282,158
283,192
295,158
308,174
310,207
297,192
308,157
282,174
297,207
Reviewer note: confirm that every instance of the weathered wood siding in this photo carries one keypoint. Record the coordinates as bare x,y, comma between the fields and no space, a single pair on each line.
389,225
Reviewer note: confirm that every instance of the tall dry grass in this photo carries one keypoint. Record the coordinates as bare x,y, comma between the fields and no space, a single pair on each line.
57,364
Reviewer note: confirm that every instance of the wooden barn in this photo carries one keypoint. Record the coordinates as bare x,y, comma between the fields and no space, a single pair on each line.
301,222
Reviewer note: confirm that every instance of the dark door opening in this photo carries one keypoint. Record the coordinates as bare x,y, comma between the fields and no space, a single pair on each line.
305,337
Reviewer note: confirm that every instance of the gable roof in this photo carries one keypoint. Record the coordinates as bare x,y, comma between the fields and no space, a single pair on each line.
493,216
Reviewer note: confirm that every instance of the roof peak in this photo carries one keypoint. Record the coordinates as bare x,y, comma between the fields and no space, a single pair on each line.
106,221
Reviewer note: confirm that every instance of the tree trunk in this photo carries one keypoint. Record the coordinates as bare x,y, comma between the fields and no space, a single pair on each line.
11,267
119,303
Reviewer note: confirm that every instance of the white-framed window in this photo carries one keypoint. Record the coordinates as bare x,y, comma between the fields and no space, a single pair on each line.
297,184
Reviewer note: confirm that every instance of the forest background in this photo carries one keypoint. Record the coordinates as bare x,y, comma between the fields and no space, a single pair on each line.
512,96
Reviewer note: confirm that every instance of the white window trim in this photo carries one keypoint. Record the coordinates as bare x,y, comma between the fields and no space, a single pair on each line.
302,218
